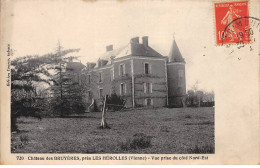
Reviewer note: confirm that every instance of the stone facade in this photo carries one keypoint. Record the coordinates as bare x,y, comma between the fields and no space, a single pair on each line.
139,74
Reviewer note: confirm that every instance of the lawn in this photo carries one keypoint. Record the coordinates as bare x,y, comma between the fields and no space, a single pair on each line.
175,130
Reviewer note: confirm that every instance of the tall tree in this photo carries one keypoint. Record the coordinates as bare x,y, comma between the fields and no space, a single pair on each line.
67,93
30,76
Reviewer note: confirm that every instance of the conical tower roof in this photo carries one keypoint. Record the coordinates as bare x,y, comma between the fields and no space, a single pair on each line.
175,54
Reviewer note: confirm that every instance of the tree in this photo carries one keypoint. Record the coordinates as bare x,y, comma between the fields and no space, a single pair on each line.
197,97
25,99
104,124
67,94
30,77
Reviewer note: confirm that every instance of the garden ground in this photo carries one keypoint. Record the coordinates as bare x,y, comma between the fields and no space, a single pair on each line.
169,130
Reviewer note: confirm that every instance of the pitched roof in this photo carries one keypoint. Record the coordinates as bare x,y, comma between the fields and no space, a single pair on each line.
175,54
132,49
143,50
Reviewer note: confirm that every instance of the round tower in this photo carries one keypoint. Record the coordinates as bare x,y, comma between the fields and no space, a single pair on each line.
176,77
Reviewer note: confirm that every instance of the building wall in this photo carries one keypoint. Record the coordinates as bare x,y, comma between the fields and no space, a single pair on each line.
157,77
171,89
95,84
124,79
176,83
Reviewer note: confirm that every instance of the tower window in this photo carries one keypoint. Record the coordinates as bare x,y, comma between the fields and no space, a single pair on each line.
181,74
181,77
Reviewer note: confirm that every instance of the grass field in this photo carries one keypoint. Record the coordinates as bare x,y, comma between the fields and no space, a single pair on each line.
176,130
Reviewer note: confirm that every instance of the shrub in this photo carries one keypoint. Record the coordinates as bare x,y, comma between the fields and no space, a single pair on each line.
24,139
115,102
139,141
13,124
203,149
187,116
201,123
164,129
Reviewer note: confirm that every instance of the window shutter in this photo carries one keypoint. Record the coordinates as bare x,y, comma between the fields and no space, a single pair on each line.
120,89
144,87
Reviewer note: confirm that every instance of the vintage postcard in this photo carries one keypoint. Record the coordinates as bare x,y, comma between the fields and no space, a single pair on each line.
130,82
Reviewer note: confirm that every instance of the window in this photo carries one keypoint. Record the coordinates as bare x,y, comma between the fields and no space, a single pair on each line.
100,77
121,69
122,89
181,74
89,80
181,77
100,92
148,102
148,88
112,74
147,68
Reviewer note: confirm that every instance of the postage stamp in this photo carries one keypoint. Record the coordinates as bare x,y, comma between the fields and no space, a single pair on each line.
227,30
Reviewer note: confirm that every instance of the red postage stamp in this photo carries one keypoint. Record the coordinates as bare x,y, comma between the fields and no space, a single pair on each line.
229,26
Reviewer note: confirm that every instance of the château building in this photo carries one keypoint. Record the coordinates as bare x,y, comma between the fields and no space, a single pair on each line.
138,73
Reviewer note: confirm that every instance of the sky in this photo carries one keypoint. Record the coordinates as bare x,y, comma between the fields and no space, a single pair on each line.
37,26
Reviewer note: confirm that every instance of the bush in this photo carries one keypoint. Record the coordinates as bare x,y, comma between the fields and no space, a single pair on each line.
24,139
187,116
139,141
14,124
115,102
203,149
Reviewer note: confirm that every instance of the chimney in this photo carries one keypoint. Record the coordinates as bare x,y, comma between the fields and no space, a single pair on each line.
112,58
99,63
135,40
145,41
109,48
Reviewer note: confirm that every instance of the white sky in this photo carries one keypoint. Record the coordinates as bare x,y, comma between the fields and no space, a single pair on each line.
37,26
